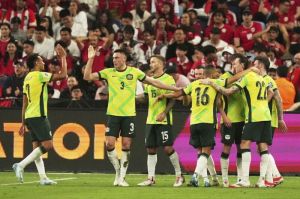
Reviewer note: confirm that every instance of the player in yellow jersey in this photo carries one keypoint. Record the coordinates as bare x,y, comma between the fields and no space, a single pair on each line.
159,123
233,118
203,118
257,123
277,121
34,113
122,81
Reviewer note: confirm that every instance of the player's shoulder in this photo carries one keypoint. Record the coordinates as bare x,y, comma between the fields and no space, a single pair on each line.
226,75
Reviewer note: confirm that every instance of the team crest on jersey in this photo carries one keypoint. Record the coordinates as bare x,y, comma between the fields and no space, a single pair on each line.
129,77
227,137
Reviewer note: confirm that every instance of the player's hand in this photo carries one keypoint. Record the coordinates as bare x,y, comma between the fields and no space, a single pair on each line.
161,117
176,88
91,52
254,69
22,130
160,97
227,122
60,51
282,126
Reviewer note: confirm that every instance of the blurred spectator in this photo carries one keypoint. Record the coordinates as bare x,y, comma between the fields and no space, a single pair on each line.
90,7
5,38
42,45
179,38
270,41
51,9
54,67
195,22
151,46
117,7
69,58
259,8
68,21
12,54
230,17
184,65
27,16
285,87
28,47
76,93
167,11
225,60
105,19
131,46
285,17
193,37
102,92
16,32
47,23
215,40
66,93
246,34
78,15
198,60
227,33
140,14
294,74
66,37
180,80
13,86
163,31
272,72
102,52
126,20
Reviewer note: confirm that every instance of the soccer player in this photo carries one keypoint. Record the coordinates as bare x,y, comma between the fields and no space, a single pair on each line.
233,118
275,105
159,123
34,113
257,123
203,118
122,81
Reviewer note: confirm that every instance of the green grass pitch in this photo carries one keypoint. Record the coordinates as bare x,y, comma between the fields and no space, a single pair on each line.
98,186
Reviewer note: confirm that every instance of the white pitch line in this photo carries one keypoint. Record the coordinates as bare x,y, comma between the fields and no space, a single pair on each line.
59,179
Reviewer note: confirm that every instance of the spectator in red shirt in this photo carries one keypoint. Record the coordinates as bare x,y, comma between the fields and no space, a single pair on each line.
284,15
117,7
5,38
294,7
192,36
271,41
54,68
167,11
11,55
230,17
184,65
257,6
102,46
195,22
246,33
227,33
163,32
294,75
27,16
140,15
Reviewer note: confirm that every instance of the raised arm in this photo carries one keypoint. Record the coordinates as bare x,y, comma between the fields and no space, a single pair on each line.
61,53
239,75
159,84
220,89
88,75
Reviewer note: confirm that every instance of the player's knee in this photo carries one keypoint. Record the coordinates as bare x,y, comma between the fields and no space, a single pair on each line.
47,146
110,145
168,150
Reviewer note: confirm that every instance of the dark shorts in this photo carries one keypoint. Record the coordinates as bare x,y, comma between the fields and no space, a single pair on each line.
202,135
158,135
39,128
259,132
233,134
120,126
273,131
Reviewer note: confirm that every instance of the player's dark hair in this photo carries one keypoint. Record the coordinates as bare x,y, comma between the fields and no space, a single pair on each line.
282,71
243,60
263,60
31,60
122,51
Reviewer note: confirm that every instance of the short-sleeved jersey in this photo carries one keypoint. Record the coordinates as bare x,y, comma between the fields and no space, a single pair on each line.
35,88
156,108
234,104
255,88
272,104
121,90
203,101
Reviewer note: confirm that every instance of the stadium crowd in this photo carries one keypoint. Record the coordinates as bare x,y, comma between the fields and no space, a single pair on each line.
190,34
